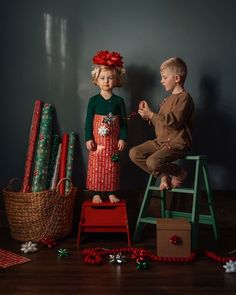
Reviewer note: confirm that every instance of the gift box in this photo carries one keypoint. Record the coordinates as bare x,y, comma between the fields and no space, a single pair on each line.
173,237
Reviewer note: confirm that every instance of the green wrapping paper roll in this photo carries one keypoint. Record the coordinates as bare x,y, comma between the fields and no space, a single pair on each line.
53,156
43,150
70,159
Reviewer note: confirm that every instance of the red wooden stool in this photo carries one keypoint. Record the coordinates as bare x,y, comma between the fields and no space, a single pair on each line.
105,217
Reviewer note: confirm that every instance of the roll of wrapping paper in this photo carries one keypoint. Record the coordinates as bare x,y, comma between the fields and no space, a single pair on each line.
43,150
56,169
62,170
70,159
52,160
34,129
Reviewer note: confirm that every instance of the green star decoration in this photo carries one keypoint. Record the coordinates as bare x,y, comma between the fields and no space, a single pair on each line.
144,264
115,157
62,253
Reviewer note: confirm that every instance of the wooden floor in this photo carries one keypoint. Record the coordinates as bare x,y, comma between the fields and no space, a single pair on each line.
48,274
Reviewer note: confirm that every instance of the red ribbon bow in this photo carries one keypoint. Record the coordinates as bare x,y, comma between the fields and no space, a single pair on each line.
175,240
106,58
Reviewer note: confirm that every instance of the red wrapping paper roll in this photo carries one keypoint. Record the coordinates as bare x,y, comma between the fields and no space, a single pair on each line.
31,146
62,173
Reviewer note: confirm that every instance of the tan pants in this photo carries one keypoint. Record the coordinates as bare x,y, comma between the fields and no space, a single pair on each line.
156,158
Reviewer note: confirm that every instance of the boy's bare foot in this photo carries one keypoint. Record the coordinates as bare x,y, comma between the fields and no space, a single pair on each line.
97,199
113,199
165,182
177,181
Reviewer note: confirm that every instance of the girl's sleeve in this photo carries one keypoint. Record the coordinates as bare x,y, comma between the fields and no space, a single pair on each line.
123,121
89,120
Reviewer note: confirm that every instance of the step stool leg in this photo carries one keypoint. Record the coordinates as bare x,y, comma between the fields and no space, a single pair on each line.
80,226
163,204
128,237
137,232
210,202
127,227
195,204
78,237
143,209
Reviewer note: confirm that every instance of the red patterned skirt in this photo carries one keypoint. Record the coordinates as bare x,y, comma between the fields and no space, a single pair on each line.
103,168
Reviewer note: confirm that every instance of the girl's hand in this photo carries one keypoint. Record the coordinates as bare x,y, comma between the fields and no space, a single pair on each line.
121,145
90,145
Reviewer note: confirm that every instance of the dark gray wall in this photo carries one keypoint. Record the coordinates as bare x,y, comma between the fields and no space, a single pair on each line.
46,50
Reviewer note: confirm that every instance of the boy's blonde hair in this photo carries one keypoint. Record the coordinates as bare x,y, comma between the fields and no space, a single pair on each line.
119,74
177,66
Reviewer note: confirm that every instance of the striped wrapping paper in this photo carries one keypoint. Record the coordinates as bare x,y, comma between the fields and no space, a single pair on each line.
8,258
53,156
43,150
56,169
62,171
31,145
70,159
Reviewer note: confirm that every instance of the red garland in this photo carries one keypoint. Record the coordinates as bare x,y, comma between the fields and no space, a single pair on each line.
132,115
218,258
96,255
107,58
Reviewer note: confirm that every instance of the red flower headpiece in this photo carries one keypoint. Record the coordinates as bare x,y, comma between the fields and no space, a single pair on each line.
107,58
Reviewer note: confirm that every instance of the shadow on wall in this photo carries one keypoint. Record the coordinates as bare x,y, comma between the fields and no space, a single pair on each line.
214,135
61,73
140,85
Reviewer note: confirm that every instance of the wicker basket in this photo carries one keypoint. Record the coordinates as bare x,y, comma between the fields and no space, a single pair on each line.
37,215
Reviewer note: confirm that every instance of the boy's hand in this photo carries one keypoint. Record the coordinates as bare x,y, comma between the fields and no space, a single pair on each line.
142,104
121,145
90,145
144,110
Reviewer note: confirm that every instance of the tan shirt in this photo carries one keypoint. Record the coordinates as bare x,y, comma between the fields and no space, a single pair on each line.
174,121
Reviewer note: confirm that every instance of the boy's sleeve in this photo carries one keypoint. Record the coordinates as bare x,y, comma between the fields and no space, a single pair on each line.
178,114
89,120
123,121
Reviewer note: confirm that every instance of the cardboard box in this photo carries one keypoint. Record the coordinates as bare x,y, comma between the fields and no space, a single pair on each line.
173,237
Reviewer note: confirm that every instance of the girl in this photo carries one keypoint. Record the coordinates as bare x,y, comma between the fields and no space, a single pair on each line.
106,127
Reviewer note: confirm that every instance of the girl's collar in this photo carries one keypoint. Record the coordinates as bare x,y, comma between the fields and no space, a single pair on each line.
105,97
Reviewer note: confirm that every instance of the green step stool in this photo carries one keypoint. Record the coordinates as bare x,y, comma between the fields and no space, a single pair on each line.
201,178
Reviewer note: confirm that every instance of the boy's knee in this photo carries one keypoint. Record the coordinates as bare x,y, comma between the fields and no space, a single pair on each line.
133,153
153,165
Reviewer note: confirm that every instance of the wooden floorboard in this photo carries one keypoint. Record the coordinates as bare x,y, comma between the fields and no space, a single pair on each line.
47,274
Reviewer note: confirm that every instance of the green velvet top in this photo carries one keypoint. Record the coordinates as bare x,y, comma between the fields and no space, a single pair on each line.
101,106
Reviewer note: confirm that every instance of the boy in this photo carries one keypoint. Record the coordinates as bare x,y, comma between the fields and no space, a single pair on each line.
173,128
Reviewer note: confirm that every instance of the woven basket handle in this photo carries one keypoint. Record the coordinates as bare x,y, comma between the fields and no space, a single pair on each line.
13,180
60,182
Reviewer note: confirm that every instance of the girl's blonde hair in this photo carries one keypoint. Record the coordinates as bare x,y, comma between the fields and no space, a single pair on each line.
119,74
177,66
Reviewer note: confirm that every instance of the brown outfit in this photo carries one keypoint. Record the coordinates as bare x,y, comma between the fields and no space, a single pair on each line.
173,128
